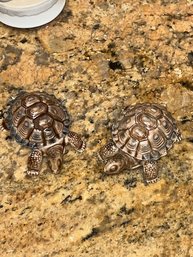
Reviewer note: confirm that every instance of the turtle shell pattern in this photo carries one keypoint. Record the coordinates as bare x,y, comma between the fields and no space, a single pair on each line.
145,131
37,119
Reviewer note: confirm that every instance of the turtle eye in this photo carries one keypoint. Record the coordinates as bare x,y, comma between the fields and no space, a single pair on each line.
114,168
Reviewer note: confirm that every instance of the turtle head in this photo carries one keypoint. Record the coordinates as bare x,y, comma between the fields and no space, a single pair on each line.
55,154
113,158
115,165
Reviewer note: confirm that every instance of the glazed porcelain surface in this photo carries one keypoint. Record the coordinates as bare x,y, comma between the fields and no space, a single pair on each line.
29,14
22,7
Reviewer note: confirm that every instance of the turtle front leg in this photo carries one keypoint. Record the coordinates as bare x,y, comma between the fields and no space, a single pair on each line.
150,172
76,141
107,151
34,162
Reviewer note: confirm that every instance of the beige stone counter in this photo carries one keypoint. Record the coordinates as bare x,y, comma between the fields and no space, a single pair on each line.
100,56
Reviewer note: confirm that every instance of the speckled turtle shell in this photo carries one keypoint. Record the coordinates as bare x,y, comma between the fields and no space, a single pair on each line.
37,119
145,131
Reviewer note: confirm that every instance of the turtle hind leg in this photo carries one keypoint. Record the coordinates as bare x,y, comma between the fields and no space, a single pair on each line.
150,172
34,162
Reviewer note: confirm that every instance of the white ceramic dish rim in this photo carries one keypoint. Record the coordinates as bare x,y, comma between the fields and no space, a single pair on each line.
33,20
27,8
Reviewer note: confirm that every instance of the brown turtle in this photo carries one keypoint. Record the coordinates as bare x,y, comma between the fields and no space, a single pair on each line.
40,121
143,134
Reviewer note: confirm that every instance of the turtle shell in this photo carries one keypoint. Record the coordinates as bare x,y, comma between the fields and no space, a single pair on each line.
37,119
145,131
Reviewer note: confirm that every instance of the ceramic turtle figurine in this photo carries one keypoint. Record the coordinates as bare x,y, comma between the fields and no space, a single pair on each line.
40,121
143,134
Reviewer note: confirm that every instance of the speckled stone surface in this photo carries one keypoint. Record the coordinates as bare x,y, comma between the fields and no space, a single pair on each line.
99,56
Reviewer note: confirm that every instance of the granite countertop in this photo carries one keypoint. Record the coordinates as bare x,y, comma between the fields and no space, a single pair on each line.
100,56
